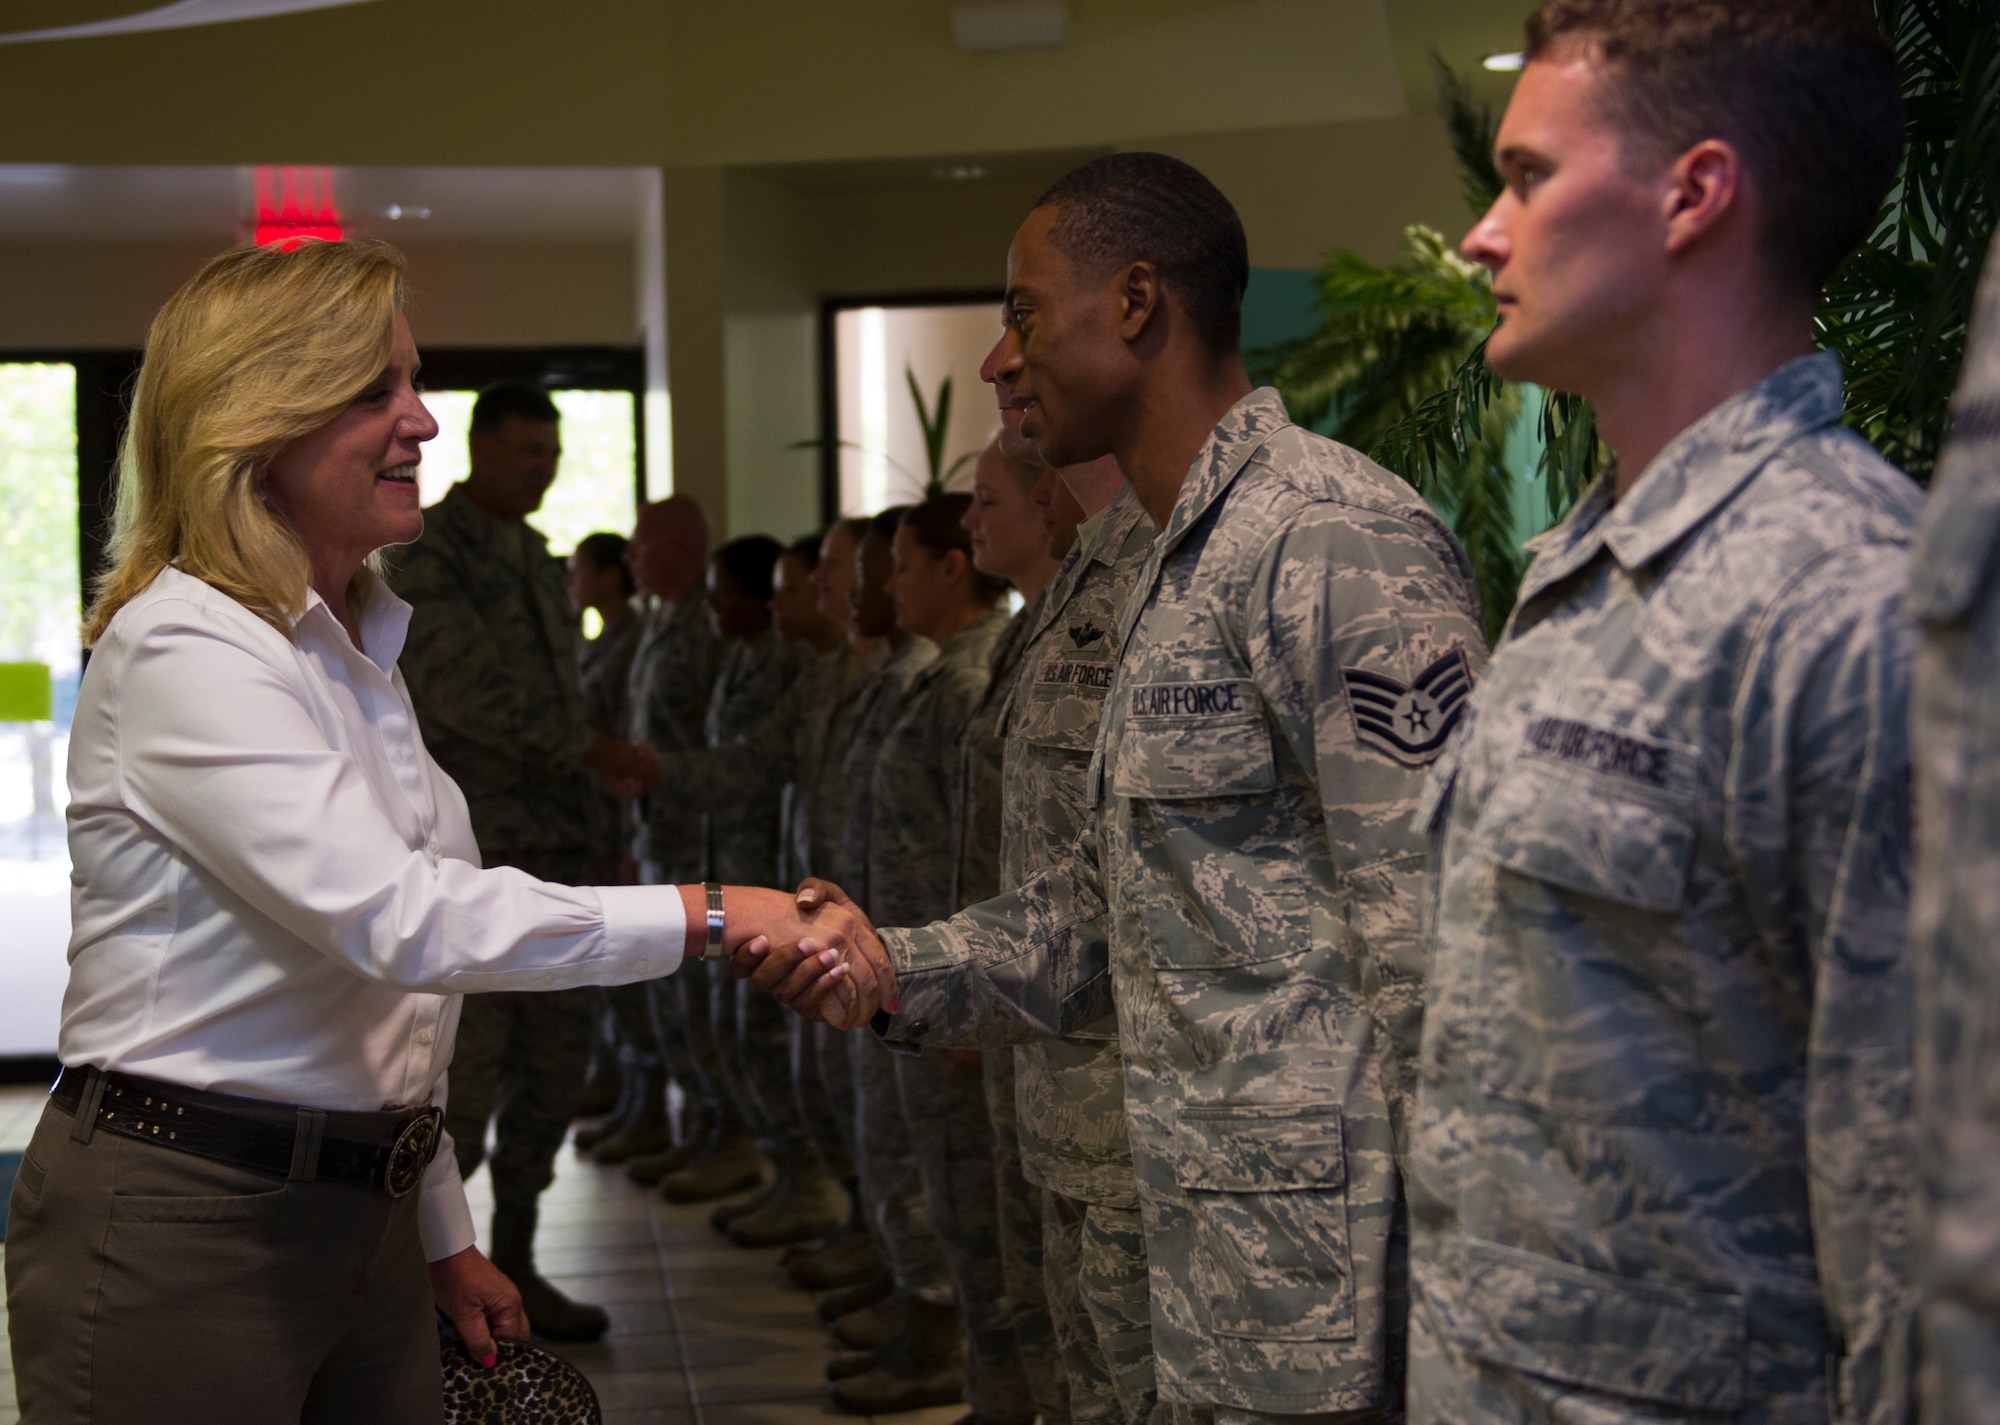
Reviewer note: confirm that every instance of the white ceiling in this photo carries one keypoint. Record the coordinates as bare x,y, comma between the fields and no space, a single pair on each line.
209,203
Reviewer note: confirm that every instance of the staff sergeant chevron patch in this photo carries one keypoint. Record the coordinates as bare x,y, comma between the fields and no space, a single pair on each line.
1409,722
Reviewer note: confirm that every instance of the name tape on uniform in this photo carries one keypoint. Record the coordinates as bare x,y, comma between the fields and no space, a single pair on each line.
1193,700
1601,749
1074,673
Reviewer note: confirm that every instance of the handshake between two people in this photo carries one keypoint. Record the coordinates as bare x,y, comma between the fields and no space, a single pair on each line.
813,950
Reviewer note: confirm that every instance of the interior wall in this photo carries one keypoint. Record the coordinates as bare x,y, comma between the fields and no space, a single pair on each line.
71,293
771,339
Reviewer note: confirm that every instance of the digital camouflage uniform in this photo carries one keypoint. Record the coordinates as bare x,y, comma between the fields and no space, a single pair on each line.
1955,922
892,1199
673,672
1071,1092
822,1065
910,876
1663,1164
604,669
743,831
491,661
977,816
1303,623
802,742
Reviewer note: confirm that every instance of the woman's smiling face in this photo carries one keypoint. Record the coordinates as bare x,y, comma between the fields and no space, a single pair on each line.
350,487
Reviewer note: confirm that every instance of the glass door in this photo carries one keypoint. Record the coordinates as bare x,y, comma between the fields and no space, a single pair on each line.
41,605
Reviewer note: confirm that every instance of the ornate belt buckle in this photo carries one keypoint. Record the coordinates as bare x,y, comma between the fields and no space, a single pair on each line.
411,1153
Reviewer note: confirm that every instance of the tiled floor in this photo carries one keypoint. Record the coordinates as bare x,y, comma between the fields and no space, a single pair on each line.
702,1332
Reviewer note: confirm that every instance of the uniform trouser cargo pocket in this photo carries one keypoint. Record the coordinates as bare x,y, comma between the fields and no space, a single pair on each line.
1648,1340
1267,1188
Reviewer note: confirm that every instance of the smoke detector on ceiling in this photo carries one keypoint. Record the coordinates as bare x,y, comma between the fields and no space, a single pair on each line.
1010,24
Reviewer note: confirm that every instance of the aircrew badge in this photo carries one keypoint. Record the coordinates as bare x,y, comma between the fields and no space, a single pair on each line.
1409,722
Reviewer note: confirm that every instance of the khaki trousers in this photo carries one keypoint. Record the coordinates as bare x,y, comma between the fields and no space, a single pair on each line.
146,1286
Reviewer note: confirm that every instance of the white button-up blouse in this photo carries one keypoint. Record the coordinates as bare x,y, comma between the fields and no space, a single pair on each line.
277,893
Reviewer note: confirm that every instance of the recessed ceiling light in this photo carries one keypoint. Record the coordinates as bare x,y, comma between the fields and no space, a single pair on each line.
1505,62
397,212
959,172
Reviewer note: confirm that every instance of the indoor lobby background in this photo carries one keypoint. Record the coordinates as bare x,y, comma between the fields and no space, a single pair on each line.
729,234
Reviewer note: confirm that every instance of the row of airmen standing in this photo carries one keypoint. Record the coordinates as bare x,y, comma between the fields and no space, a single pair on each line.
1556,1038
839,709
1617,1091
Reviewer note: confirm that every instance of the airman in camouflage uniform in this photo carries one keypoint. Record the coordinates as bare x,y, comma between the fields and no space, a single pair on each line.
742,830
910,878
673,672
801,742
978,819
885,1160
1301,638
1070,1093
491,662
1955,922
1662,1164
626,1058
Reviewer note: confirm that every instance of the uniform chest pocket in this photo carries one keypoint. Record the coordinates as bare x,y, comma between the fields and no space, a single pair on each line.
1060,704
1590,1002
1267,1187
1183,741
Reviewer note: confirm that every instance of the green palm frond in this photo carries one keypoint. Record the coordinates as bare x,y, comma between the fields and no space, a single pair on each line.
1452,448
934,422
1897,309
1471,126
1387,337
1571,453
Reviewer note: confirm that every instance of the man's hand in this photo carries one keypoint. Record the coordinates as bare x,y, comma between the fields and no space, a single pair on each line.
840,973
756,919
627,769
481,1302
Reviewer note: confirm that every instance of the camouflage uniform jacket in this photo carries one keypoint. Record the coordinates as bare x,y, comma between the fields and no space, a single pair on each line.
604,668
1070,1093
491,662
1662,1154
792,744
1298,642
976,813
673,672
911,840
1955,922
822,777
876,710
741,826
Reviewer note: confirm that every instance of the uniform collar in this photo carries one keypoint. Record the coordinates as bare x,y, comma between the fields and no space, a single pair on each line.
1098,541
1240,434
458,505
1698,472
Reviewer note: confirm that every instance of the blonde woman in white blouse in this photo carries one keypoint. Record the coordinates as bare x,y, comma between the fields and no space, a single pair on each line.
228,1207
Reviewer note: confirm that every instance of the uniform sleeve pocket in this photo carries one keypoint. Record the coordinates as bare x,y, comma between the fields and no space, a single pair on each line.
1161,760
1598,840
1267,1189
1645,1340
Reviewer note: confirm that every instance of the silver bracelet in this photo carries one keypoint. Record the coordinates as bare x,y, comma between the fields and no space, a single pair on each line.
712,949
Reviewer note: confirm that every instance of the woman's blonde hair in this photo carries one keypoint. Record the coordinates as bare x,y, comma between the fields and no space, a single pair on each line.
260,347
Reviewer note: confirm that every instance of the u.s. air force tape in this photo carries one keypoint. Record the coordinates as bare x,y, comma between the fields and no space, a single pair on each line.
1074,673
1409,722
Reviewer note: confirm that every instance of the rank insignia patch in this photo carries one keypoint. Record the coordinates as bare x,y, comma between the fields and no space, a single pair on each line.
1409,722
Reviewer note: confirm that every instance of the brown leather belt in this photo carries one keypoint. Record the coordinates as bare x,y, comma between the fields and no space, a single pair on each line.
387,1151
